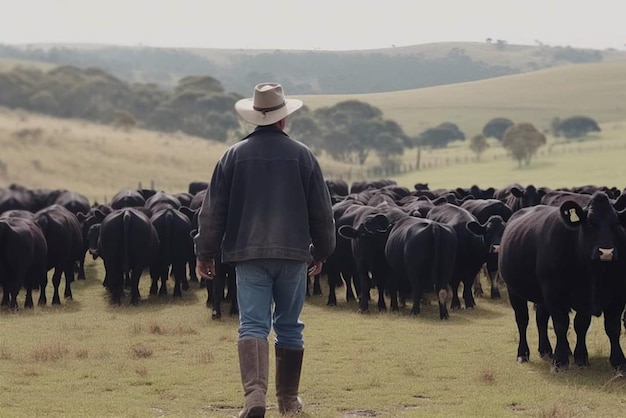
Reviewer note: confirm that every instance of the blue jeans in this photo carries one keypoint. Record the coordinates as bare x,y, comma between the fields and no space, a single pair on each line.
269,283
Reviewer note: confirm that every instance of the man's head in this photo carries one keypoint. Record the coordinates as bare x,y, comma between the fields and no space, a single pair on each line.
267,106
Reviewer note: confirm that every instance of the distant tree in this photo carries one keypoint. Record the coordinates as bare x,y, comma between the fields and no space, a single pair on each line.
459,135
124,120
303,127
577,126
496,127
353,129
43,101
205,84
437,137
478,144
523,140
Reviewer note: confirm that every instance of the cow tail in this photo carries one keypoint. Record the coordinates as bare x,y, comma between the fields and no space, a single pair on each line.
126,218
169,225
436,272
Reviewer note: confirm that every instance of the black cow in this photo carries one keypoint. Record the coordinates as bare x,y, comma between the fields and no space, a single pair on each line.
567,258
483,210
72,201
128,244
517,197
368,233
339,265
127,199
175,247
18,198
421,254
472,248
22,259
65,248
77,204
197,186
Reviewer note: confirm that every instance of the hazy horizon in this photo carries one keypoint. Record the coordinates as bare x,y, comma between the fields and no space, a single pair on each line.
323,25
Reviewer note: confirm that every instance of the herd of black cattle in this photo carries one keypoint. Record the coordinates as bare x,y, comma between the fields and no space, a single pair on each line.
562,249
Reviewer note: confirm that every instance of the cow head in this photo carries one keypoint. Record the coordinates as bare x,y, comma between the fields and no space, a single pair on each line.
93,236
530,196
601,227
491,231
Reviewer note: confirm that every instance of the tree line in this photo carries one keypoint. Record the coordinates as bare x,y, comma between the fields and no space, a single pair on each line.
350,131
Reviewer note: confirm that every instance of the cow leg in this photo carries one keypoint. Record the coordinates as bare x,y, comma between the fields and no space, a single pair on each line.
217,295
163,274
81,267
454,286
333,278
467,292
179,275
56,281
43,300
28,302
154,280
317,287
581,325
560,320
612,328
209,287
493,279
542,315
392,285
478,287
364,294
520,307
69,278
192,271
350,295
135,275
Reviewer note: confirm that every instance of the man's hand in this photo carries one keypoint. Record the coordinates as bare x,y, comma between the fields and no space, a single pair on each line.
205,269
315,268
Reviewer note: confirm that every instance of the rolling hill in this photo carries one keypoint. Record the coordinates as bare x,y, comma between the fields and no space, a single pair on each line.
597,90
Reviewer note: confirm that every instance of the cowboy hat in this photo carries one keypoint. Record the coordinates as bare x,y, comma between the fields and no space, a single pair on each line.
267,106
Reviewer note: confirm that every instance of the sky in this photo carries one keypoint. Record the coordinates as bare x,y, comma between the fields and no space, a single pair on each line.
313,24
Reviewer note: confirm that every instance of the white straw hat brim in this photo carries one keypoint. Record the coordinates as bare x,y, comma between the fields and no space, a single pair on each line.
246,110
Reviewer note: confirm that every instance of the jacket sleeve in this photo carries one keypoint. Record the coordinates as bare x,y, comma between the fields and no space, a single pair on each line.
212,216
321,222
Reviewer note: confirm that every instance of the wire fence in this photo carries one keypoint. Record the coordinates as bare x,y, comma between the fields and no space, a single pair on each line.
429,162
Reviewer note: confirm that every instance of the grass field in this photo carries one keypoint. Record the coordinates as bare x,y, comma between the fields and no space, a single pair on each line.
168,358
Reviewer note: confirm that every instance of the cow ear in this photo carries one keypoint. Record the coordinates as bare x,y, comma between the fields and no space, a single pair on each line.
621,215
475,228
81,217
517,192
572,214
380,223
347,231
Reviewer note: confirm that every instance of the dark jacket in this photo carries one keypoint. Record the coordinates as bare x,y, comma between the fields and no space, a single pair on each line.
267,199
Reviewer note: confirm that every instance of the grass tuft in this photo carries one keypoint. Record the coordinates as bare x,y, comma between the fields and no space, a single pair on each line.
81,353
49,352
156,328
205,357
487,376
141,351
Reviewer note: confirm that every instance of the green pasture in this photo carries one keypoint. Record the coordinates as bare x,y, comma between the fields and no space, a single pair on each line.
168,358
597,90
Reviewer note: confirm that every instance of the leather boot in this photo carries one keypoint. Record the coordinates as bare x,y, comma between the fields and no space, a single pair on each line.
254,367
288,368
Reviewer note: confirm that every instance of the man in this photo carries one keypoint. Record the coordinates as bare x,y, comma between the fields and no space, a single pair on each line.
268,212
